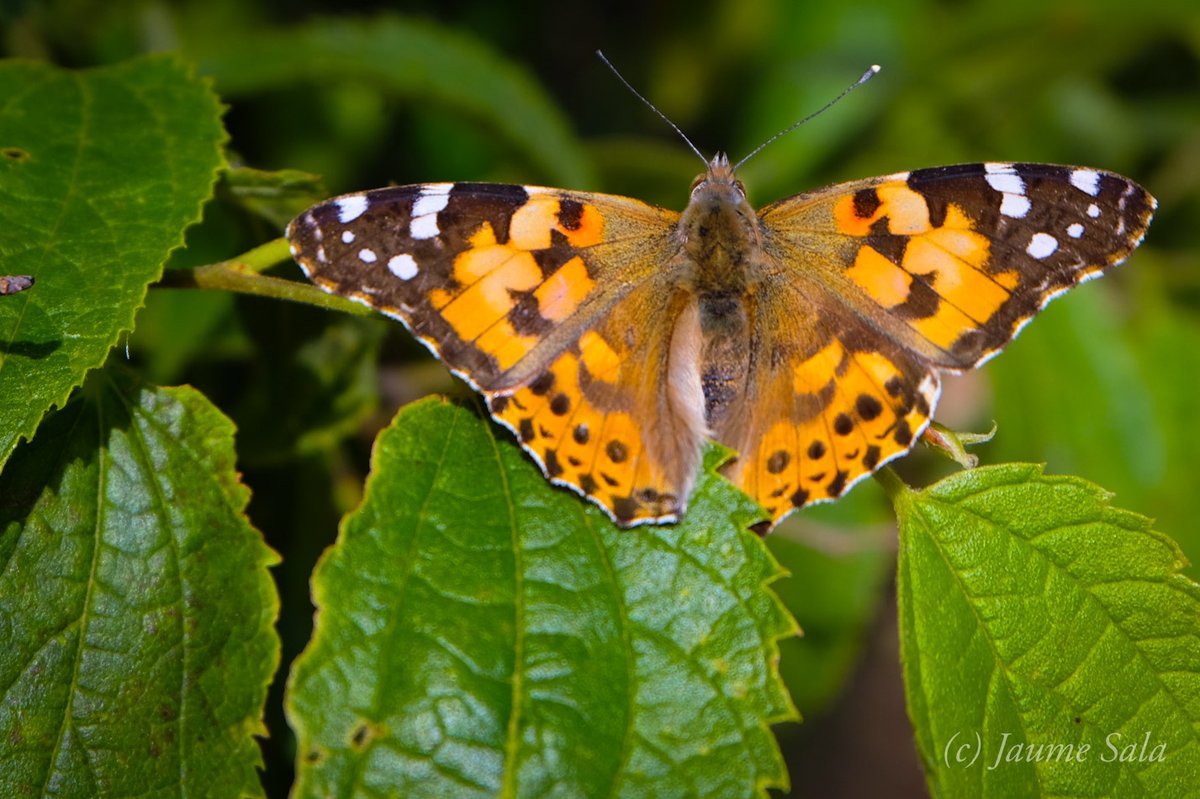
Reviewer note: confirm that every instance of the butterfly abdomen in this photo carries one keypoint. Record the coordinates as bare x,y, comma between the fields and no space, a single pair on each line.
724,360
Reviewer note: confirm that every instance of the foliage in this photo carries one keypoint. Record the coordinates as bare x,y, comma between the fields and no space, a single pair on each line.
480,632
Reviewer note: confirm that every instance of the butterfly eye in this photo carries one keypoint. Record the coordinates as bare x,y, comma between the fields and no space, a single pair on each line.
700,179
741,189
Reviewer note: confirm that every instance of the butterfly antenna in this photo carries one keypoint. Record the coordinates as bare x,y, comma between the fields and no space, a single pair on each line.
652,107
866,76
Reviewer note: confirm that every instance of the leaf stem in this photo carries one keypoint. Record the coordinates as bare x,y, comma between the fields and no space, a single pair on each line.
892,484
243,274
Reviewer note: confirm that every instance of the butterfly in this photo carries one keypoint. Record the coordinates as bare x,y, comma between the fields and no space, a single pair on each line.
614,337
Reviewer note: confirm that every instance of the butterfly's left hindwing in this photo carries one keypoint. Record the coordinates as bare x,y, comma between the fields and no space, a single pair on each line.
554,304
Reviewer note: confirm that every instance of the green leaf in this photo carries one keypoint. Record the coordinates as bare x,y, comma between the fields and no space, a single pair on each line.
1167,341
1033,614
136,611
1078,350
481,632
114,164
416,59
277,196
327,370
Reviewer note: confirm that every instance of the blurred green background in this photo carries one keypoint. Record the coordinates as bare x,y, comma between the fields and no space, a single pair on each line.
1104,385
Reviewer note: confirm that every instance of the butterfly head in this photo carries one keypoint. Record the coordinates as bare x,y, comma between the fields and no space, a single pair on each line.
719,229
719,173
718,184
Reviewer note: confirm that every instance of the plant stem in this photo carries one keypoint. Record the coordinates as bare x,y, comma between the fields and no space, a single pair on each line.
892,484
243,274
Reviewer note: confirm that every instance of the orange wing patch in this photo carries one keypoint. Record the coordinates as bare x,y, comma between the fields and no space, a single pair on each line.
490,276
949,257
533,224
868,410
599,420
599,451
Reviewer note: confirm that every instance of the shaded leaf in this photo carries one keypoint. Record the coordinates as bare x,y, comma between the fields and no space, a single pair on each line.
1077,349
276,196
135,606
482,633
416,59
1033,614
116,163
327,371
1166,340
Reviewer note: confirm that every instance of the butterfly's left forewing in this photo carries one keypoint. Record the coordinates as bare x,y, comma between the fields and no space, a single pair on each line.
557,305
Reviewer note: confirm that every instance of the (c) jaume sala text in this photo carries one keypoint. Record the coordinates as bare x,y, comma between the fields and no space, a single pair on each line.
965,751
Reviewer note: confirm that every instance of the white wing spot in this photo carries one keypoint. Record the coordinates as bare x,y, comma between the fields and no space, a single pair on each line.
367,256
1014,205
1075,230
928,388
347,236
1093,211
1042,245
1007,182
423,227
1087,181
429,203
402,266
351,208
321,255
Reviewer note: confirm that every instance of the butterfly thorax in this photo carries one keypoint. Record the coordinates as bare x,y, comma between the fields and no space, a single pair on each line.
719,229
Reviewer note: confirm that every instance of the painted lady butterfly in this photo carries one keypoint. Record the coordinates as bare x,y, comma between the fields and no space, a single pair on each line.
613,337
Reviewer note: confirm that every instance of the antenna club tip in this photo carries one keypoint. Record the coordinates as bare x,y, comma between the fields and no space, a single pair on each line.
870,73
